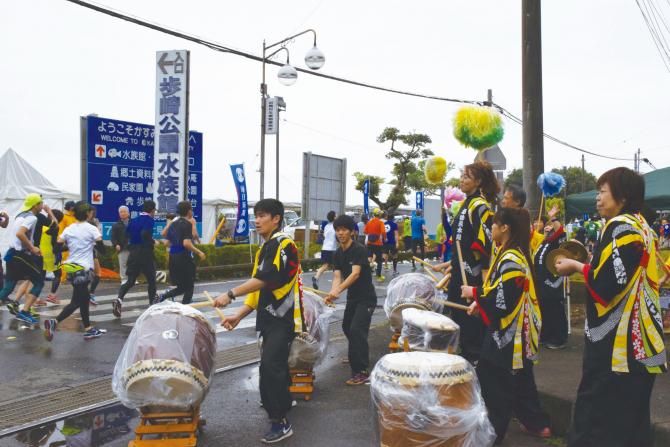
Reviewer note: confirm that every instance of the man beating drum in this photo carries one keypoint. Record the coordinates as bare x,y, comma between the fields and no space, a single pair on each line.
273,291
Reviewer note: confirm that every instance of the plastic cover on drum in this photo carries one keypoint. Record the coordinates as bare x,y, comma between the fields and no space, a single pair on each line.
167,360
425,330
309,348
413,290
426,399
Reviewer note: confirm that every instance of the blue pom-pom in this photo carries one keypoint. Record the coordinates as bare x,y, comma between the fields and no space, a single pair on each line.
550,183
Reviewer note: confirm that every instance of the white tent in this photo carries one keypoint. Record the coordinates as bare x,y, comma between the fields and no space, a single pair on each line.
18,179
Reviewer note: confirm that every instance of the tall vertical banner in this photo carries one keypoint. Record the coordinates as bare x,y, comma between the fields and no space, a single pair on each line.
419,200
271,115
366,195
242,224
171,133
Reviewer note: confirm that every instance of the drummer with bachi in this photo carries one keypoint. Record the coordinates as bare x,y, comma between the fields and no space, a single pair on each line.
624,348
274,292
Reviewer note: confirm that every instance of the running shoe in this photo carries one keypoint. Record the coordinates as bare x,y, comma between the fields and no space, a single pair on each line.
359,379
158,298
53,299
543,433
50,328
26,317
380,278
278,431
34,313
13,306
396,273
92,333
555,346
116,307
315,283
40,302
91,299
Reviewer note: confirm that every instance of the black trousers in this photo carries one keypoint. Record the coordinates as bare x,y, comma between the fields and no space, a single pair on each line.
510,393
554,318
612,409
416,245
275,378
356,326
182,276
140,261
376,251
80,300
472,327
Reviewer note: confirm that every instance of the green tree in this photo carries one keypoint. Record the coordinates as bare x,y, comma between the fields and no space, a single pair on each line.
573,179
515,176
405,166
417,180
454,182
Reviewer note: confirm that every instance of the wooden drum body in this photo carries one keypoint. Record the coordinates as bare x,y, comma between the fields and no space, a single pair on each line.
168,359
412,290
428,399
429,331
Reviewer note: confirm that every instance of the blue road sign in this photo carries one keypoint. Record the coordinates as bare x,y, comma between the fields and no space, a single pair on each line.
120,170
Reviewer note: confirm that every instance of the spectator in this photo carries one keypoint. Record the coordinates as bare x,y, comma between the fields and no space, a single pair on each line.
119,239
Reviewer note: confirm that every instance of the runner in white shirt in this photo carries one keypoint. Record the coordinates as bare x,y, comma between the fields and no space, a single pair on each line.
80,238
327,249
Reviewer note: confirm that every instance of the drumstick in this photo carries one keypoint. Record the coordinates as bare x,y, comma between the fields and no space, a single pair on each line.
443,282
460,262
218,311
453,305
421,261
201,304
320,293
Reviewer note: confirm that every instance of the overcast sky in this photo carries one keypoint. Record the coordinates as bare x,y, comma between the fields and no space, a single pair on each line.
605,87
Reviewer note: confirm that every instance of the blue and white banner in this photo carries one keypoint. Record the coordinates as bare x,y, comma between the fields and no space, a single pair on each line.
419,200
366,194
242,225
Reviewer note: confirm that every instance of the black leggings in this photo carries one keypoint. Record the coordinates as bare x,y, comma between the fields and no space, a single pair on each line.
56,282
80,300
182,275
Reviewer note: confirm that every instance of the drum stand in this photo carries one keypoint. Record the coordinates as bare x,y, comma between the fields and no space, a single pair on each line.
394,346
168,429
302,382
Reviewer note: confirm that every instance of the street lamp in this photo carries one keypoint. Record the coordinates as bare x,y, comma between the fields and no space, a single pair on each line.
287,75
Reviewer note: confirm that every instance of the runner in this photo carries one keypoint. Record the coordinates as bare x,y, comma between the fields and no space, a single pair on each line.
274,292
376,236
353,273
391,246
24,260
97,270
80,239
141,258
418,225
327,249
179,233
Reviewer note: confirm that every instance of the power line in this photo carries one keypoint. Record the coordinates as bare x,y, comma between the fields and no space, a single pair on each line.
224,49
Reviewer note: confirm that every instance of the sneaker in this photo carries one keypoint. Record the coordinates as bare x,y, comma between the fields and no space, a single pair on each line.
278,431
543,433
13,307
26,317
40,302
50,328
92,333
53,299
158,298
91,299
315,283
116,307
555,346
396,273
33,312
359,379
380,278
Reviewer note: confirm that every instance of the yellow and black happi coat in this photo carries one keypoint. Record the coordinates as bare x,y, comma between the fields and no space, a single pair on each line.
473,231
623,322
280,301
509,307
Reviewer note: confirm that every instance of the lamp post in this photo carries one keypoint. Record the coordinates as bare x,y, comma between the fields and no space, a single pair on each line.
287,75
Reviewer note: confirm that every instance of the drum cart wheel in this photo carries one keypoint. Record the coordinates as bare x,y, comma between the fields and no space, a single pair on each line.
302,382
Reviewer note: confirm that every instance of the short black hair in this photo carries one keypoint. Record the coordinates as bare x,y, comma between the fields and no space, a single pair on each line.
184,207
69,205
626,186
518,194
344,221
331,216
58,214
271,206
81,210
148,206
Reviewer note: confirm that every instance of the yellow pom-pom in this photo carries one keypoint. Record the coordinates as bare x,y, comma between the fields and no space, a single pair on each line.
478,127
436,170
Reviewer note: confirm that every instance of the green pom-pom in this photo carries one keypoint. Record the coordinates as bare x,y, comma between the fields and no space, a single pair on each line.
478,127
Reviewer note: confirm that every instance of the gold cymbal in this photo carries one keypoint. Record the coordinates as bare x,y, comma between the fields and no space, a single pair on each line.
577,250
555,255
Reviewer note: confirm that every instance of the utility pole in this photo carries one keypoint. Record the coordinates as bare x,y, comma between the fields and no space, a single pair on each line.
637,161
583,175
531,67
